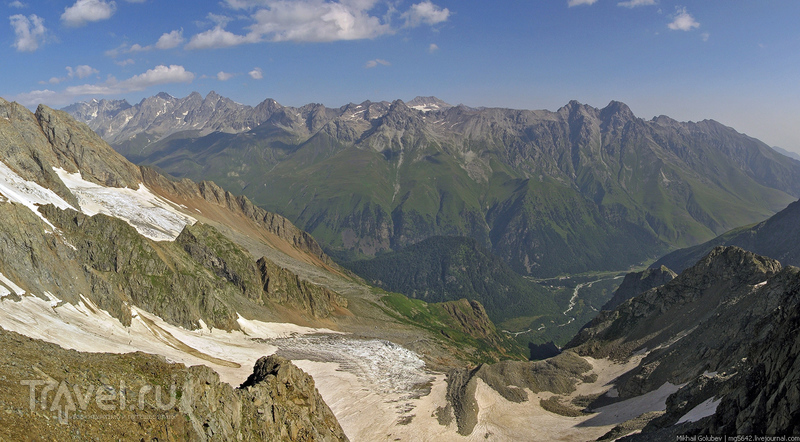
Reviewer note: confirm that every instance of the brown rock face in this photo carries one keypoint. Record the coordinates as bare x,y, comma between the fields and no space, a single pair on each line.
284,287
142,397
77,148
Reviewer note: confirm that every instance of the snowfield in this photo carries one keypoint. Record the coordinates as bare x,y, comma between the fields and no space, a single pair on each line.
386,366
29,194
376,389
152,216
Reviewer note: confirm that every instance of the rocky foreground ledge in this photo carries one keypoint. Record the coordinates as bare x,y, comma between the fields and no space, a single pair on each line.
49,393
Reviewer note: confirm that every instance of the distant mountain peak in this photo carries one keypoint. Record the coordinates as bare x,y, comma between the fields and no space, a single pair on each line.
428,104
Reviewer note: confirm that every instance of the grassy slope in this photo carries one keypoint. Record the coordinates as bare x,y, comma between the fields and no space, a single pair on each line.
450,268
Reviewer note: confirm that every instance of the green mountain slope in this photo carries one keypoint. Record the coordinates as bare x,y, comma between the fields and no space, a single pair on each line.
450,268
550,193
776,237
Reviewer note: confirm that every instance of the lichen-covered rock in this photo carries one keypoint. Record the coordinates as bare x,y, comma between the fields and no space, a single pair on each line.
284,287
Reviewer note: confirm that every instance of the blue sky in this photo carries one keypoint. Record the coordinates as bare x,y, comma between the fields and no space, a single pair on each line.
735,61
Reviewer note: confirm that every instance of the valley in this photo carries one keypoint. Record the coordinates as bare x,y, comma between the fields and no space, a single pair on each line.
425,337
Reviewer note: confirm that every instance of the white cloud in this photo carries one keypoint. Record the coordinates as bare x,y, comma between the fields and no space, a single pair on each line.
373,63
167,40
125,62
220,38
433,48
224,76
313,21
256,74
705,36
170,40
572,3
30,32
80,72
317,21
683,21
17,4
426,13
635,3
85,11
158,75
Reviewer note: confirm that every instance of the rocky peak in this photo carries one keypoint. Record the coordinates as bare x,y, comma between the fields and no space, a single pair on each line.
728,265
428,104
616,115
79,149
639,282
213,96
165,96
576,113
401,117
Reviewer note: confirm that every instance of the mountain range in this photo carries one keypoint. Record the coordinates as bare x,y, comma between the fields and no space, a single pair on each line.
580,189
99,257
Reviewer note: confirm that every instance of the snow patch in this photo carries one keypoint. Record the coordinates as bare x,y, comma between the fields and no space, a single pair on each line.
15,288
273,330
707,408
426,107
85,327
617,412
29,194
53,300
151,215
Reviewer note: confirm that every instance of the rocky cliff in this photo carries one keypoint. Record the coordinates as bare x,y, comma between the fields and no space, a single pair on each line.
50,245
638,282
79,396
719,330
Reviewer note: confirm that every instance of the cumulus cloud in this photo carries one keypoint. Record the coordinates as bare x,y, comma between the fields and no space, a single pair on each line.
218,37
433,48
314,21
425,13
683,21
256,74
124,62
705,36
17,4
170,40
572,3
29,32
635,3
158,75
373,63
85,11
224,76
167,40
79,72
